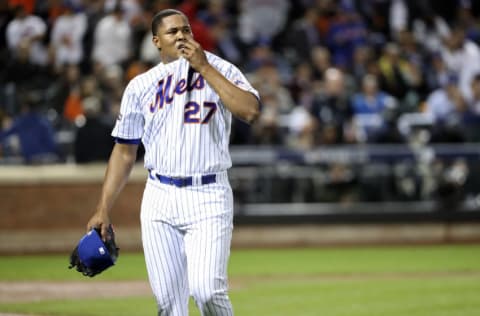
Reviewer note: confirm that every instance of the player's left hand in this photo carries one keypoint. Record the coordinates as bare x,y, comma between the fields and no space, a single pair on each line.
100,221
193,52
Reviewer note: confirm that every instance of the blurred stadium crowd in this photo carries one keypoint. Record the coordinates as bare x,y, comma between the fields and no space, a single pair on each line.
328,72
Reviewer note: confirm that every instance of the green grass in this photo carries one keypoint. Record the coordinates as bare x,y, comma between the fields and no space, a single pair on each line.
393,281
55,268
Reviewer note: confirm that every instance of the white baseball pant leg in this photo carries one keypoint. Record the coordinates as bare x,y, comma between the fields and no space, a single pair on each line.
191,256
207,245
166,266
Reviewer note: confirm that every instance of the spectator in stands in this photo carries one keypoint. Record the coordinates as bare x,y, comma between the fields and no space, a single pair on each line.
436,72
447,106
276,101
399,77
67,36
227,43
362,58
398,17
300,85
302,129
466,17
261,19
88,86
111,82
446,101
331,109
93,141
377,18
268,82
370,108
410,67
112,40
19,73
302,37
262,54
461,56
27,31
214,11
346,33
132,10
94,11
321,61
60,89
35,134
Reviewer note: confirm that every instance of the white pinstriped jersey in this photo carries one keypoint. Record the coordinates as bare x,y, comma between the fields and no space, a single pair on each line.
180,119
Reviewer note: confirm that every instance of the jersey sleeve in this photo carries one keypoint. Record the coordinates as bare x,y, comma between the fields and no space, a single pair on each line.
234,75
130,122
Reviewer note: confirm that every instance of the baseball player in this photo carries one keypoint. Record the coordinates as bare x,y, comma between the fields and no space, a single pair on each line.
181,111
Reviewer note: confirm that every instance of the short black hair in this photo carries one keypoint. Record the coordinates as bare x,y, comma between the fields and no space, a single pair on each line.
158,18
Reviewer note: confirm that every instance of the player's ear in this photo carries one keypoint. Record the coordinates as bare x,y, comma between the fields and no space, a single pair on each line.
156,42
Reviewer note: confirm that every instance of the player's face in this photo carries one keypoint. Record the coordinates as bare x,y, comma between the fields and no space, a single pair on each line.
171,35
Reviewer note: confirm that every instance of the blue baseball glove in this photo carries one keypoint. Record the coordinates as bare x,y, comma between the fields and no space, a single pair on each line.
92,255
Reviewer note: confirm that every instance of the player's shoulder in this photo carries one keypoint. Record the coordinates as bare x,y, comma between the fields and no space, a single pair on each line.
218,62
145,79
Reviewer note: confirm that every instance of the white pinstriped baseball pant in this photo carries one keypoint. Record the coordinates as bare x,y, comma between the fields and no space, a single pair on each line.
186,235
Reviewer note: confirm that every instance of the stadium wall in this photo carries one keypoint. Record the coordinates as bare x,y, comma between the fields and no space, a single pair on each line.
45,208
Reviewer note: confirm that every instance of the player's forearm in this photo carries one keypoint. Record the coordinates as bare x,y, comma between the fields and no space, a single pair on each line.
241,103
118,171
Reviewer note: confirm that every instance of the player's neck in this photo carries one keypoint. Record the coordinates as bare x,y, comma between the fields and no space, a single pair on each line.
166,59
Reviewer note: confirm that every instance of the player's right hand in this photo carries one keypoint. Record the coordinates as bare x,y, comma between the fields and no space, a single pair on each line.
101,221
193,53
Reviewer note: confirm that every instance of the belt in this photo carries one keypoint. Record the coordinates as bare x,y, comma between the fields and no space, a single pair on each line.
186,181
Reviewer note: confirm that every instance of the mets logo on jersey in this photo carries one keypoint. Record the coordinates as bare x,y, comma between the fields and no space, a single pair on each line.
166,93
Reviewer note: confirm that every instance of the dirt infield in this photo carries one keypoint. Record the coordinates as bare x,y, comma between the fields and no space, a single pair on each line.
38,291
